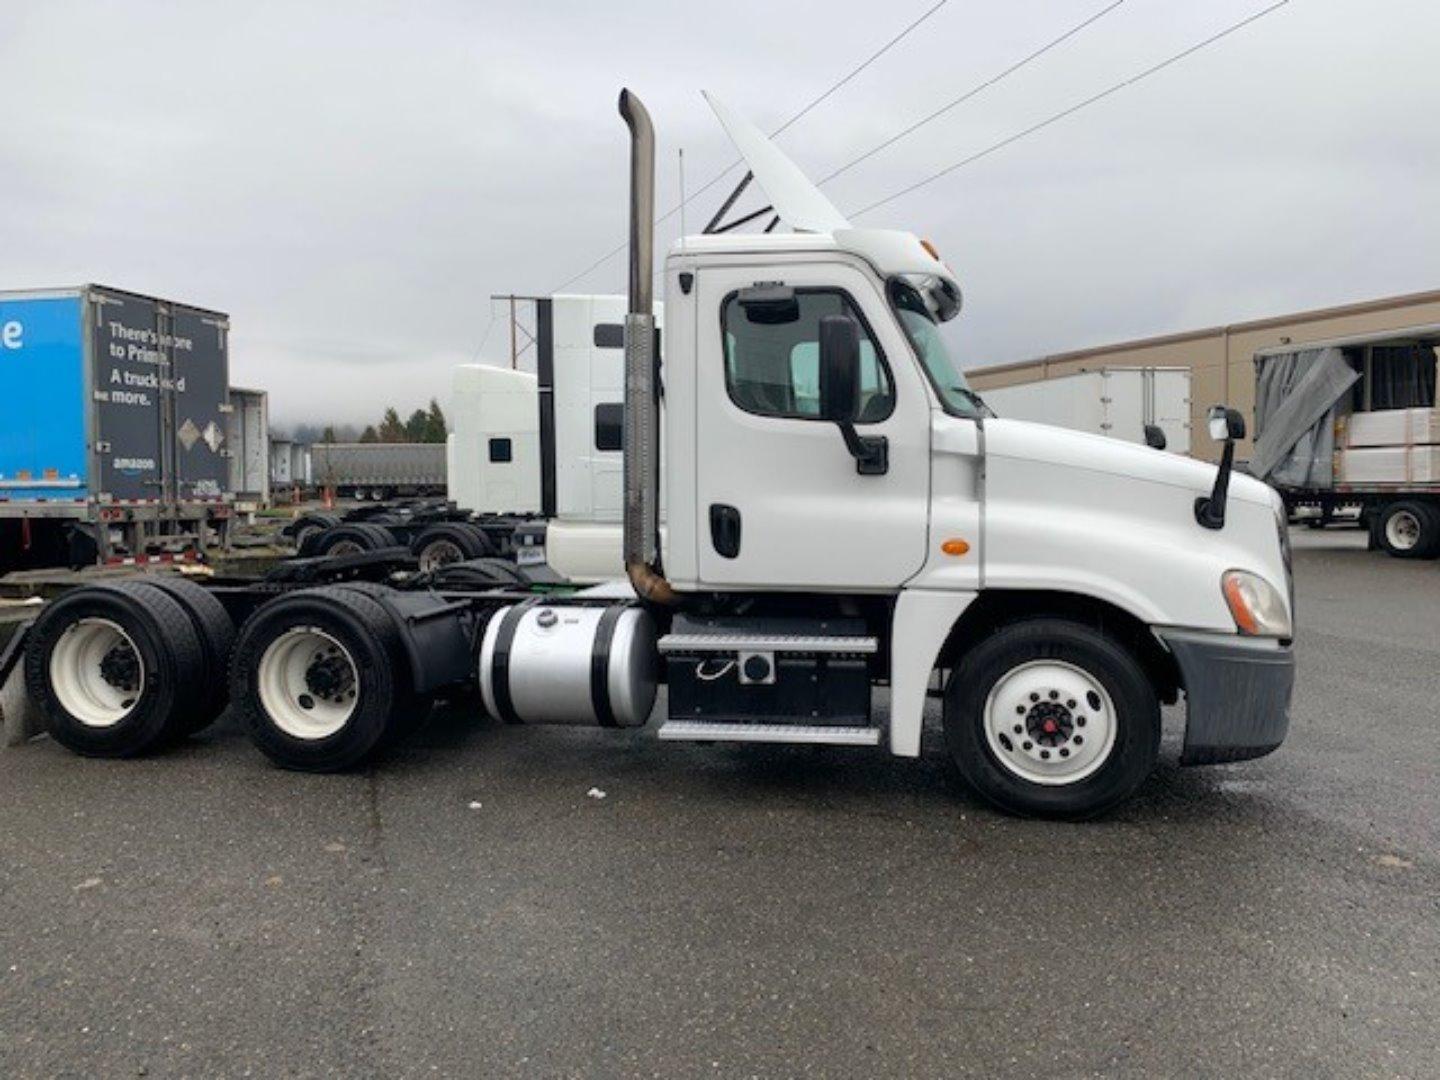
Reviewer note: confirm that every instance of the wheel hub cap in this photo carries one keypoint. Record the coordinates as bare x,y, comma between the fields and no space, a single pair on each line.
1050,722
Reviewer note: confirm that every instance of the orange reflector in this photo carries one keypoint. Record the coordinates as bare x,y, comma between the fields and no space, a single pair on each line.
955,547
928,246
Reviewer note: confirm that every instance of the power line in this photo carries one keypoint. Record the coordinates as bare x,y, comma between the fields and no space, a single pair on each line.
728,169
1232,28
971,93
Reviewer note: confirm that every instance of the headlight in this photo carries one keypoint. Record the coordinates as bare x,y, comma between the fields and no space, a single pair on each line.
1256,605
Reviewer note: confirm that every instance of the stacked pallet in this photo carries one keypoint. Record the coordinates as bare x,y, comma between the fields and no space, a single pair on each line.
1392,446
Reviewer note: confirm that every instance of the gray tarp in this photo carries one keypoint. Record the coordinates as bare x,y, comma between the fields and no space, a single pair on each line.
1297,396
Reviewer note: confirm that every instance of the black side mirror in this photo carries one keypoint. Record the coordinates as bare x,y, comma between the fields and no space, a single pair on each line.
1154,437
840,393
1225,425
839,369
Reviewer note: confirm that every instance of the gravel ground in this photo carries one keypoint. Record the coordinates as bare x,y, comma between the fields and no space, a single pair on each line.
470,908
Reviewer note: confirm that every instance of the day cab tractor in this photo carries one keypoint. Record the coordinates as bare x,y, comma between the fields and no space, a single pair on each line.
843,516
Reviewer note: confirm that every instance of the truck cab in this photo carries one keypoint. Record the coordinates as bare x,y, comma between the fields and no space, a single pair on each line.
830,473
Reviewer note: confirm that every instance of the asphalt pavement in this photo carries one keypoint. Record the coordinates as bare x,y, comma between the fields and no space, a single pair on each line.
473,906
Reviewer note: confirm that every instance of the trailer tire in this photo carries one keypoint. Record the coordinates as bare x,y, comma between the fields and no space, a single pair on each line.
314,679
449,542
1409,529
117,669
1065,686
217,637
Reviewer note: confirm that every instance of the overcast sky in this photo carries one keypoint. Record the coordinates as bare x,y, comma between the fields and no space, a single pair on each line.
351,181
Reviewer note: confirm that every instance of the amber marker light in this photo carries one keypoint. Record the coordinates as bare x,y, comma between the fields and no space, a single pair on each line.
928,246
955,546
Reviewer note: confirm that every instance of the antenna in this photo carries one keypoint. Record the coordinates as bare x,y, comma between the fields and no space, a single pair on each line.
682,198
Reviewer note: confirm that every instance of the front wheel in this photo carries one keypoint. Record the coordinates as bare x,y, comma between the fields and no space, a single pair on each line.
1052,718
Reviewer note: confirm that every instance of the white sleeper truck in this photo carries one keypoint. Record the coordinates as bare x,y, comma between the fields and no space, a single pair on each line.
842,516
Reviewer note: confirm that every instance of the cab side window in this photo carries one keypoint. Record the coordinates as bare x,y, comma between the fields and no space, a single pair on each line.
772,364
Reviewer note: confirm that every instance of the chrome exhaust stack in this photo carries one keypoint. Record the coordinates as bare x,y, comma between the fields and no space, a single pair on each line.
641,444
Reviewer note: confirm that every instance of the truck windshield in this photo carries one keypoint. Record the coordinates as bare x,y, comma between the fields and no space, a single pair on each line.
920,327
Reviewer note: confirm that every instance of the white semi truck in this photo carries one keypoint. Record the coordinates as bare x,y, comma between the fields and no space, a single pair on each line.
842,516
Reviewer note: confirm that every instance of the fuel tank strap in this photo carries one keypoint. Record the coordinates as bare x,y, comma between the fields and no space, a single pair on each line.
500,664
600,666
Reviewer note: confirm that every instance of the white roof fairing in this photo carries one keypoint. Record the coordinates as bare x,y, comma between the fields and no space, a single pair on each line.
800,204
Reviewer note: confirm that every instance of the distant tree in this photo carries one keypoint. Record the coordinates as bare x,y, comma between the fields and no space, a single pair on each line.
391,429
415,427
328,436
369,434
435,423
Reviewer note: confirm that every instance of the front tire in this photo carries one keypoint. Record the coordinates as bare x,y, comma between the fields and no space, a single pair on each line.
1052,718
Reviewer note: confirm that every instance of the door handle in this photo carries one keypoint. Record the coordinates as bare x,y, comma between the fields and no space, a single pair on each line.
725,529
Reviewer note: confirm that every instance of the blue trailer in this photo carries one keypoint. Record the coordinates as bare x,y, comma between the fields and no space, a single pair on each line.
112,427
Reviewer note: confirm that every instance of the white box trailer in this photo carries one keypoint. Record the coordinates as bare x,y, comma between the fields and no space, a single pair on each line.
1115,401
247,431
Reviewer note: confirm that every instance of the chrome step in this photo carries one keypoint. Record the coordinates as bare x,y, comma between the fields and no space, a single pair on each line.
814,734
780,643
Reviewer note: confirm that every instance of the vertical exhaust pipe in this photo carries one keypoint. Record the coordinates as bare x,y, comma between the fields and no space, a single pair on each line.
641,445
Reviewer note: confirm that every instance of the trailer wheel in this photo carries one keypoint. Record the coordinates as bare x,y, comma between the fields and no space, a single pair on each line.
449,542
1409,530
117,669
313,679
216,631
1052,718
353,538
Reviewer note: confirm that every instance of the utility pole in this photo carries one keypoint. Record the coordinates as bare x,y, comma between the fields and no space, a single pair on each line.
517,331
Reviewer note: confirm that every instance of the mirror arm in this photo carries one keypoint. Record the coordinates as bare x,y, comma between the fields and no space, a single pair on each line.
871,452
1210,510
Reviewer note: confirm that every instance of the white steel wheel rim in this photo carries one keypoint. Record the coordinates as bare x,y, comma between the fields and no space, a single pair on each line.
440,553
308,683
345,547
96,672
1041,708
1402,530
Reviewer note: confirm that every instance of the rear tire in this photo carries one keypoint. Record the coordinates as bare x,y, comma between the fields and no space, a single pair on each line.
315,680
1409,529
117,669
449,542
353,538
1087,714
217,637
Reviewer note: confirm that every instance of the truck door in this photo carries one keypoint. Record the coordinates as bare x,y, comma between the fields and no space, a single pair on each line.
779,501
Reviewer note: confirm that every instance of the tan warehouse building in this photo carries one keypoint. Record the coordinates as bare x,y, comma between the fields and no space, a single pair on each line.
1221,359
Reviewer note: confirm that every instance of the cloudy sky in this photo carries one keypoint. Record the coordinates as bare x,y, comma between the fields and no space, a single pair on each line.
351,181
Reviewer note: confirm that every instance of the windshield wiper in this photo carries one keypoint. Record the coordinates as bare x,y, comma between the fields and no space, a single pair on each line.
974,399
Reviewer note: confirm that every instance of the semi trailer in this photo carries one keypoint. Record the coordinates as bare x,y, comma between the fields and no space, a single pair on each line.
1149,405
379,471
844,519
113,426
1351,427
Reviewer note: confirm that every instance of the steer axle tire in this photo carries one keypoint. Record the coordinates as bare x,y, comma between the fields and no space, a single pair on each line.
117,669
1052,718
316,681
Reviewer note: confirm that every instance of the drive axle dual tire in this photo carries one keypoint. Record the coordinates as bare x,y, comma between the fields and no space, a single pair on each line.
120,668
1052,718
351,538
450,542
320,680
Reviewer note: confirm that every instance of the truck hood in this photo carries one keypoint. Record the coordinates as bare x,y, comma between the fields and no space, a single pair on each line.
1062,447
